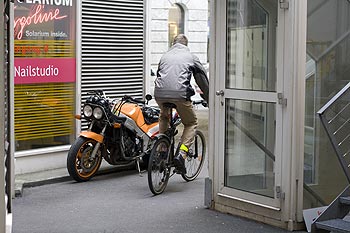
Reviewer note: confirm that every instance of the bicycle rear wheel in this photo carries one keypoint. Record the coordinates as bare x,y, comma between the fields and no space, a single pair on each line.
195,157
158,166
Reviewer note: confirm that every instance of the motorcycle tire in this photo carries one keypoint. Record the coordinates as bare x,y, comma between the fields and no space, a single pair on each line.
79,165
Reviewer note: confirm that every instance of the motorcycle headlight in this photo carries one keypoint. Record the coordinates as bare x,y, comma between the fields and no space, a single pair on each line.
98,113
87,111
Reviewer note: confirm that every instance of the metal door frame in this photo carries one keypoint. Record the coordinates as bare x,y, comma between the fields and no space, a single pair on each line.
271,97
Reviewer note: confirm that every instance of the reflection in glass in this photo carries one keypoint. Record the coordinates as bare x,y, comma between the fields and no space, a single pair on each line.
247,54
328,71
45,74
250,146
309,156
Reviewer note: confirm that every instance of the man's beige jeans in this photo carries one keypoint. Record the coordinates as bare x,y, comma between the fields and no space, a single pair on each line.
188,118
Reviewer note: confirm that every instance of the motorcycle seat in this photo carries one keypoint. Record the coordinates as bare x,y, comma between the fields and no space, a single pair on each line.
150,114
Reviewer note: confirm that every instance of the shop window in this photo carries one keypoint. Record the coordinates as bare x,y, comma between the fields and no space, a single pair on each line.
176,22
45,73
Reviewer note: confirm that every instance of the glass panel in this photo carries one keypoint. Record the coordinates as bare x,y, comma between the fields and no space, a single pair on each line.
247,53
250,145
309,157
176,22
328,69
44,74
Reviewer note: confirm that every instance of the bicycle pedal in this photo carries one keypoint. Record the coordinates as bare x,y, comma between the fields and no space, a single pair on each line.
176,171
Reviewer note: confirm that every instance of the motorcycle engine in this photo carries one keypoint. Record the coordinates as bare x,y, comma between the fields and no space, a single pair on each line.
132,145
131,148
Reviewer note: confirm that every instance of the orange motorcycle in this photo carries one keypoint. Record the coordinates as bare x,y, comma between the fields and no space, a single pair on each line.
121,132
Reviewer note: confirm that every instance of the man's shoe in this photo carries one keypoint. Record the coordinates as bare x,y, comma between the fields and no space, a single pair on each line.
179,162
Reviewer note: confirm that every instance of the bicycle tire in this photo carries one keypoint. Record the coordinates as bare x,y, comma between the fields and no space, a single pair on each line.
196,157
158,166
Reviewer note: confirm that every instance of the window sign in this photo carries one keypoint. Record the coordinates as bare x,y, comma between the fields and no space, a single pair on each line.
44,73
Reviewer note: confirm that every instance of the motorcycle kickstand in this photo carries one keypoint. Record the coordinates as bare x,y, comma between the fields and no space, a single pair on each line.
138,166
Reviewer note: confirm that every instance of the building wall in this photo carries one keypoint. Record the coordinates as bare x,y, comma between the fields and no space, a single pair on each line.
196,29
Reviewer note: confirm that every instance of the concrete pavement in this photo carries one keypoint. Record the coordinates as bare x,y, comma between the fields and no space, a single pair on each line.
122,202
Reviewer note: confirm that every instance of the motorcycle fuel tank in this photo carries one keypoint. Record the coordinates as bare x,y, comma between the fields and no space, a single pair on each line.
134,112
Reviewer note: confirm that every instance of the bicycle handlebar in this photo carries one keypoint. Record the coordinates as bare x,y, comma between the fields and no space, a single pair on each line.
195,102
203,102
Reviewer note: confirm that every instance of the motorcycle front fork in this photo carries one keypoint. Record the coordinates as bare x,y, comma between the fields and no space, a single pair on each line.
98,144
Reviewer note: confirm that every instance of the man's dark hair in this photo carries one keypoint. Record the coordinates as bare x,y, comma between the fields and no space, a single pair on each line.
181,38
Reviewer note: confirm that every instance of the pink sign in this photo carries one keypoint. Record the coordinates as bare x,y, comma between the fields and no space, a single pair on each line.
44,70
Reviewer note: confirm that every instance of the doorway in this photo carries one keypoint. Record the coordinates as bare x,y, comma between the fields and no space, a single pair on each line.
249,104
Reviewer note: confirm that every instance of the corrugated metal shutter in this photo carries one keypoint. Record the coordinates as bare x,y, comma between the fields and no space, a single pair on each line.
113,47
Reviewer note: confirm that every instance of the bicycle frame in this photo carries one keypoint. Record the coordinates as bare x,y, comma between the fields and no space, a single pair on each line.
160,168
172,131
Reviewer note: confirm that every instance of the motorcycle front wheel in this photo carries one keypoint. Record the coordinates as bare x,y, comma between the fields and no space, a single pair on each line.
80,166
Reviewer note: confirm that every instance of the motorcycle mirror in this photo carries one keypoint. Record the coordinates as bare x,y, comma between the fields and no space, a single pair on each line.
148,97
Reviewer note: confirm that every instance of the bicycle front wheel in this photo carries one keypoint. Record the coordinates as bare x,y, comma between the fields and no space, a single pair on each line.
158,166
195,157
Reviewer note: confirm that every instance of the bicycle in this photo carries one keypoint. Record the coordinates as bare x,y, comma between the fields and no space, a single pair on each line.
161,163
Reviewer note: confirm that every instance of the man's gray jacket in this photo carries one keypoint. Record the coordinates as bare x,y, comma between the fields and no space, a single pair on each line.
174,74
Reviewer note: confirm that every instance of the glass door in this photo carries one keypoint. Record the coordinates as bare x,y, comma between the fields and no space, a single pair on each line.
250,104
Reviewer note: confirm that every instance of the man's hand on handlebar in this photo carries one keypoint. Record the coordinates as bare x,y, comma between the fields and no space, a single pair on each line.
203,102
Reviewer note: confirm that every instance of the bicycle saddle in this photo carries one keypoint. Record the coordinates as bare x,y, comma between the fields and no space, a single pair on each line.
169,105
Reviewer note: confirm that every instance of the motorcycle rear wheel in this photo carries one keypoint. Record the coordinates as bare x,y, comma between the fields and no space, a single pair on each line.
158,166
79,164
